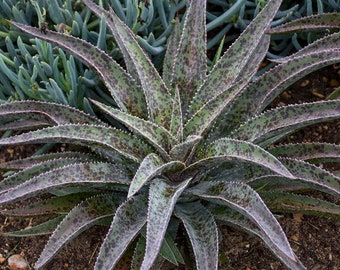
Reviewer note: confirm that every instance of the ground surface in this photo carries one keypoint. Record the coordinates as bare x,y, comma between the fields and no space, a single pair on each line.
315,240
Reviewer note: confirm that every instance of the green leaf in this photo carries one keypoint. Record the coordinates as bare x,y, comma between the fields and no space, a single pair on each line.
190,66
226,150
80,218
123,89
162,199
315,22
44,228
202,230
308,151
158,98
245,200
186,149
129,219
76,175
89,135
157,136
239,221
279,122
176,126
229,67
293,203
55,205
151,167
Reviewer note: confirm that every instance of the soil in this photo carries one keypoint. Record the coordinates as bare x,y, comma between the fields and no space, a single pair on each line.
314,239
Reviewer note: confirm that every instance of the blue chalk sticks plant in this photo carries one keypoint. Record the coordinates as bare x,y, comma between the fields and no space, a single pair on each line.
194,148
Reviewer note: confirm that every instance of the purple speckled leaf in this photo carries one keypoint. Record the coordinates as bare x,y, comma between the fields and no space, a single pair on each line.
162,199
123,88
202,231
158,98
80,218
243,199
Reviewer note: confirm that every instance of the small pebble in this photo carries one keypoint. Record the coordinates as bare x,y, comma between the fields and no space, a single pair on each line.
17,262
2,259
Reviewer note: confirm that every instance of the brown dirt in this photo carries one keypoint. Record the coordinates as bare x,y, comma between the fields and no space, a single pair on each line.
314,239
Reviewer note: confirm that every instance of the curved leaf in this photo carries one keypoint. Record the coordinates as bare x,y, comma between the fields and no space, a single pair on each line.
80,218
184,150
162,199
158,98
75,175
151,167
278,122
202,230
123,88
88,135
129,219
245,200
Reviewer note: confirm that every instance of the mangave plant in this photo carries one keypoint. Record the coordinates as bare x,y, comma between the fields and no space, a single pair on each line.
194,148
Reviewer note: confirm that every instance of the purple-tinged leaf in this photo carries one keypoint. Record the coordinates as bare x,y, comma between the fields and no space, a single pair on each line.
162,199
227,70
28,173
170,54
228,150
89,135
157,136
123,88
294,203
158,98
276,123
55,205
129,219
214,109
151,167
80,218
176,125
81,176
20,164
184,150
243,199
190,66
47,112
44,228
234,219
202,231
310,23
258,95
308,151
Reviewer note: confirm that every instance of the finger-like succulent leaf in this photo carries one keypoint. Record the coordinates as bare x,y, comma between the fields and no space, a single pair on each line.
229,68
308,151
129,219
156,135
81,174
123,89
89,135
293,203
278,122
246,201
158,98
151,167
80,218
190,67
319,21
202,230
162,199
